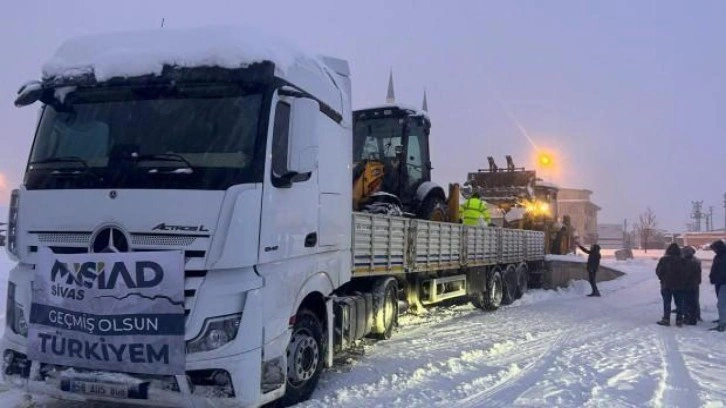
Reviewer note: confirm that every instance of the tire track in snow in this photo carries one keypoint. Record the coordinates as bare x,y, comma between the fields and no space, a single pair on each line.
677,387
506,392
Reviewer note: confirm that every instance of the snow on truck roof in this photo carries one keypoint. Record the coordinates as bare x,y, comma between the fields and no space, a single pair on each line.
139,53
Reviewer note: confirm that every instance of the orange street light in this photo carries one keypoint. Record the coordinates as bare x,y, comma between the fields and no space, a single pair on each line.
545,160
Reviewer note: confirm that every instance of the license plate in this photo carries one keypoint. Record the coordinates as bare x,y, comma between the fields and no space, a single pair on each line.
118,391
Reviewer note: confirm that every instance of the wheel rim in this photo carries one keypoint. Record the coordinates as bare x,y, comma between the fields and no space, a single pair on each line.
303,356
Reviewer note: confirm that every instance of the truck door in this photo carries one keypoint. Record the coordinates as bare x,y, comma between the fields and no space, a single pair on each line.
290,206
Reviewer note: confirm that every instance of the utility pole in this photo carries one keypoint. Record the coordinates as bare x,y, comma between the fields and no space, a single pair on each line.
724,213
697,214
626,244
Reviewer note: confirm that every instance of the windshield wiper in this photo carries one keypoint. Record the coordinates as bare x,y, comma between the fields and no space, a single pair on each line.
68,159
166,157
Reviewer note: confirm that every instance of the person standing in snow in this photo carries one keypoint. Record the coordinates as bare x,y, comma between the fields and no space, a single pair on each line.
593,263
692,312
718,278
672,275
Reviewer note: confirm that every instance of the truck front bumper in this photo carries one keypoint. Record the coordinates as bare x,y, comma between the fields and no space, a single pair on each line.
233,381
227,377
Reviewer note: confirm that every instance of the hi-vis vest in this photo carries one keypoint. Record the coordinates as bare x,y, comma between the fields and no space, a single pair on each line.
473,210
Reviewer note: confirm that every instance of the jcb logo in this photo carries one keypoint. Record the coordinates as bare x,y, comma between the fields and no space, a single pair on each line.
145,274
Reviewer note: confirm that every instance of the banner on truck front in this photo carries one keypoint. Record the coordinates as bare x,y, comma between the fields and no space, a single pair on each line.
109,311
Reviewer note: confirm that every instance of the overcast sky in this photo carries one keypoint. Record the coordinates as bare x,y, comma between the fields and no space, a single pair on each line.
629,95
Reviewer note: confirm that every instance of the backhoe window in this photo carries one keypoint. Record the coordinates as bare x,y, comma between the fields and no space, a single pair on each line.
376,138
414,163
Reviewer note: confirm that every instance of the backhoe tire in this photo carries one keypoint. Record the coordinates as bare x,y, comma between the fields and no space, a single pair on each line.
492,299
433,209
305,358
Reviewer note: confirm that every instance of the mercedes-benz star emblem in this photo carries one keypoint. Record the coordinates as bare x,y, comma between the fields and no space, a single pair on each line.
110,239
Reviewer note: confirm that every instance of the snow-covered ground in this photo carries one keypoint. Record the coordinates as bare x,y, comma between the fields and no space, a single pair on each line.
551,348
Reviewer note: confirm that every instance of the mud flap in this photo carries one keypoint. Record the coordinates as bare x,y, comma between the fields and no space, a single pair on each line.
330,328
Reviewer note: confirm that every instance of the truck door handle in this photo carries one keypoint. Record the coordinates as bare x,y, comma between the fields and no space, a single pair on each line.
311,239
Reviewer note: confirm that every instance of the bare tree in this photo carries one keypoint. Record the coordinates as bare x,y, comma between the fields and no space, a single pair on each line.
646,227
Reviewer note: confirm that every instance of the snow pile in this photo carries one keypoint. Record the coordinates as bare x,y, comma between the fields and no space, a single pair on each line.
130,54
637,269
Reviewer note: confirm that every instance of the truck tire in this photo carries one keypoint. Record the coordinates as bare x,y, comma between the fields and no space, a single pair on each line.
510,285
492,299
522,280
433,208
305,358
385,308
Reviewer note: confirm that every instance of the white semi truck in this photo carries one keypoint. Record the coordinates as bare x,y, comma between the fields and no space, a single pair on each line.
222,159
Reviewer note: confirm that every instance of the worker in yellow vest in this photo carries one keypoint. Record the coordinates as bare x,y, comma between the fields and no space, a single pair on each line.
474,211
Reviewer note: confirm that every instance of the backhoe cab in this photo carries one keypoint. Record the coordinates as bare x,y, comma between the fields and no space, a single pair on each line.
392,171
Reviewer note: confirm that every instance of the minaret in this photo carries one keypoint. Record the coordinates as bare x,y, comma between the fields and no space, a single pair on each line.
391,97
425,105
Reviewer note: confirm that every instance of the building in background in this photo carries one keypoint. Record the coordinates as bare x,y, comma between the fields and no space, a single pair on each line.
610,236
703,238
583,212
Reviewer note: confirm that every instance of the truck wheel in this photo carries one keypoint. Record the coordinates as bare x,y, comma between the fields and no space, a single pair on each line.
493,298
305,358
523,280
510,285
385,311
433,209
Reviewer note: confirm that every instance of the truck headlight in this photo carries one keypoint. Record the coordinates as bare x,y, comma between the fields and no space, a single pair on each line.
14,313
12,234
216,332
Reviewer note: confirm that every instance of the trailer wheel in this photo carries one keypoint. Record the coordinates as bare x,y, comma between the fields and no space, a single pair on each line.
385,313
305,358
510,285
493,298
522,279
433,208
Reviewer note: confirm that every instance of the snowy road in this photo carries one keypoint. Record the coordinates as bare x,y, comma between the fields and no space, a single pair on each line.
548,349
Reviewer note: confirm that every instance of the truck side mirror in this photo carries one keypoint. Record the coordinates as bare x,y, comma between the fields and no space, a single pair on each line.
303,150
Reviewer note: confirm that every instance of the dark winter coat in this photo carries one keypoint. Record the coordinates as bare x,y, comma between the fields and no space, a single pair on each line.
693,269
671,269
718,268
593,256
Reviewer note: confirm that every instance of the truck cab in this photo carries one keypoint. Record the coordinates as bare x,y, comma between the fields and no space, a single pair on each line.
221,145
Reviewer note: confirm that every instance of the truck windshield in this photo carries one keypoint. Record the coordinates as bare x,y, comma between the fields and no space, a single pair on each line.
186,136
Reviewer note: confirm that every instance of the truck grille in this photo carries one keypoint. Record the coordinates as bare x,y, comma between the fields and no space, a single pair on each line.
194,273
84,238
